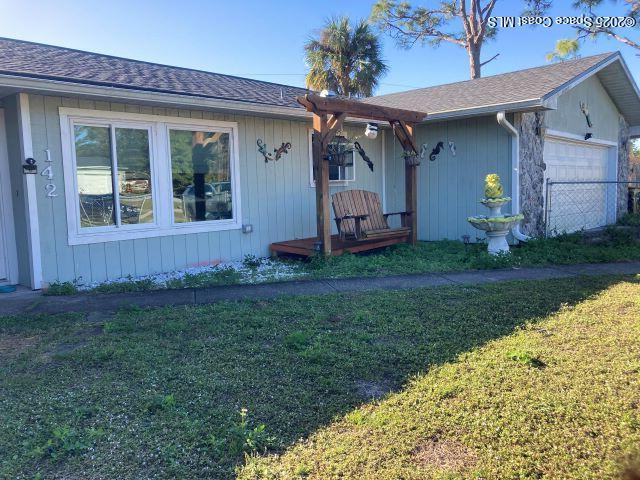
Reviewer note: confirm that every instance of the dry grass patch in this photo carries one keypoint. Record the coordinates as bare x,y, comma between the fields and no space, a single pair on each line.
11,346
444,454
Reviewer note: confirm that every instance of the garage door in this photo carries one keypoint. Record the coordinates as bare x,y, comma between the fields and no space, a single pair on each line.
575,206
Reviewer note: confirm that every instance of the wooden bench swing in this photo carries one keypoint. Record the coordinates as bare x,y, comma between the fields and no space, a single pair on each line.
359,217
361,223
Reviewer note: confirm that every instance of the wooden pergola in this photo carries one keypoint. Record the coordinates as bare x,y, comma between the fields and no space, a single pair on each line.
329,114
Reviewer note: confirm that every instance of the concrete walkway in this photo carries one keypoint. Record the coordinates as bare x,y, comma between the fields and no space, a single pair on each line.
34,302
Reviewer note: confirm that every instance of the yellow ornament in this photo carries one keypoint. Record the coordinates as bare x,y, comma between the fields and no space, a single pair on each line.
492,186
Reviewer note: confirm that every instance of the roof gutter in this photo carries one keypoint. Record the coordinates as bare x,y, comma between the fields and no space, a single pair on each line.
515,171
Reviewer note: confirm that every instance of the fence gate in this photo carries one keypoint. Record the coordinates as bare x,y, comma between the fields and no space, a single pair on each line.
581,205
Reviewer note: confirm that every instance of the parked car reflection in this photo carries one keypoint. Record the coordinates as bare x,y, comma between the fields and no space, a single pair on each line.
217,202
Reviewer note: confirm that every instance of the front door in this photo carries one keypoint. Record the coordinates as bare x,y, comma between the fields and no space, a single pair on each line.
8,261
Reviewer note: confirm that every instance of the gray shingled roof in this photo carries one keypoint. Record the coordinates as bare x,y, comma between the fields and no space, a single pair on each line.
27,59
507,88
523,89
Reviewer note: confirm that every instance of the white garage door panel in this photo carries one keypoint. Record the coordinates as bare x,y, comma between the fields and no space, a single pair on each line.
576,206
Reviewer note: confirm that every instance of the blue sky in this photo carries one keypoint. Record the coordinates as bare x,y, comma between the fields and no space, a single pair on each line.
264,39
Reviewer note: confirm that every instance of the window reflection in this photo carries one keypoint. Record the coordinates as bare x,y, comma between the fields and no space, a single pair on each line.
94,175
201,174
97,173
134,176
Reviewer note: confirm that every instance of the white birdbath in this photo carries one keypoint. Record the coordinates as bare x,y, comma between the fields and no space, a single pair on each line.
497,225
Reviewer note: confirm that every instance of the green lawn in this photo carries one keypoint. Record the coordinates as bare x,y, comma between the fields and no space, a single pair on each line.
511,380
447,256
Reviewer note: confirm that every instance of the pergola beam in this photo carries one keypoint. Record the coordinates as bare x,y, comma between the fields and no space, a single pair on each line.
329,114
356,108
334,124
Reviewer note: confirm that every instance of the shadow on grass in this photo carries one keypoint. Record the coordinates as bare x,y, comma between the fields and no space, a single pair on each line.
295,364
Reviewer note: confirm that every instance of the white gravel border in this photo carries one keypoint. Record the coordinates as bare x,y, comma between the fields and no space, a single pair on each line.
268,271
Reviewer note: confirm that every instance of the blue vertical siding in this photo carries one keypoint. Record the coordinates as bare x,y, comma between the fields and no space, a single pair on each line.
276,198
450,187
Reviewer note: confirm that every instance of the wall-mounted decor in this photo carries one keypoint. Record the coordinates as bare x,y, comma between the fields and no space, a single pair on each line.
423,149
50,187
363,154
585,111
436,151
277,152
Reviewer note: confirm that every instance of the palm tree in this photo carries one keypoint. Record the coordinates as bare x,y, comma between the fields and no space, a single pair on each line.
345,59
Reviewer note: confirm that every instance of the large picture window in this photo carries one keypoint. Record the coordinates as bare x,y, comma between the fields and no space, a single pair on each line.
134,176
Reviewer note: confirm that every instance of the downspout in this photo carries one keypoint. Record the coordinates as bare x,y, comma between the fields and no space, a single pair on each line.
515,172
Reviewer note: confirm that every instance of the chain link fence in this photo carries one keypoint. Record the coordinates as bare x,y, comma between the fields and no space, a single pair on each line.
583,205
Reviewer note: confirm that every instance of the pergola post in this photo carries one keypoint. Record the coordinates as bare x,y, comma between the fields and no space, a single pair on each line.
404,134
324,129
411,200
328,115
411,192
321,179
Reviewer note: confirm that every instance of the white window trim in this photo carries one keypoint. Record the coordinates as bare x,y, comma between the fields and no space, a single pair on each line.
160,173
312,182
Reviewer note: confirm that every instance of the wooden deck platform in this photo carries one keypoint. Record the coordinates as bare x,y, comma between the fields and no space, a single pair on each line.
305,247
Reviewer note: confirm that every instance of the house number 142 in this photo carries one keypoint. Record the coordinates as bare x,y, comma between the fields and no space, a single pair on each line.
50,187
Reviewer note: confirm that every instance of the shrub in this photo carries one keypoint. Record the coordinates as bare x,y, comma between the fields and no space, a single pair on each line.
241,438
630,219
158,403
65,441
251,262
61,288
142,285
526,358
297,340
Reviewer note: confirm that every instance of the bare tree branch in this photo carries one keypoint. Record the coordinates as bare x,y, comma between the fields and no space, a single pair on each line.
461,22
492,58
585,32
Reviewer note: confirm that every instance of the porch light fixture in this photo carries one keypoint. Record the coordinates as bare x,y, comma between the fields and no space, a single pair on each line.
371,131
29,167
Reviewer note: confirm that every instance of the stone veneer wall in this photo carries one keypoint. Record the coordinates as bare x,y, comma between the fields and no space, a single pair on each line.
530,128
624,147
